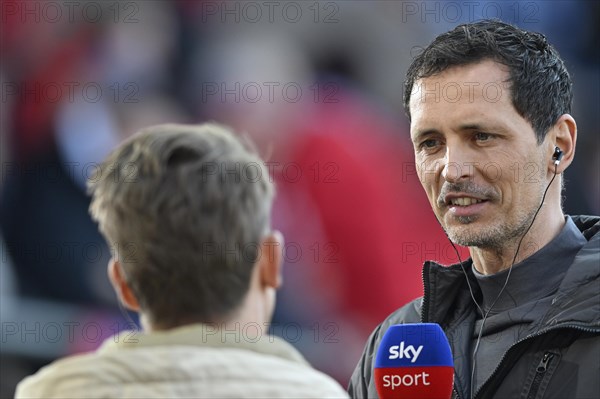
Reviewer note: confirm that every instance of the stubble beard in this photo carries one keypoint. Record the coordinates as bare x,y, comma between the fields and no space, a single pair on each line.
495,236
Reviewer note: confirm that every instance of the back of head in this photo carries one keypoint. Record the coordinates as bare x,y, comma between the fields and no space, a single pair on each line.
539,82
184,209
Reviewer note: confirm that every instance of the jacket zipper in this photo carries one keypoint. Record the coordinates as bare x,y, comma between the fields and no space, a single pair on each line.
539,375
573,326
425,304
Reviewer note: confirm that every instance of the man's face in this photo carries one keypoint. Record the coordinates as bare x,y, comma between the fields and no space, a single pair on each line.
477,158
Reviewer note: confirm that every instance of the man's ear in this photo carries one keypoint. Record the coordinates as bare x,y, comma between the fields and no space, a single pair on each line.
564,136
270,260
119,283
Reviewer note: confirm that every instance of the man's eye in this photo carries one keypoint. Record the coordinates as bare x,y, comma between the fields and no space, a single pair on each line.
430,143
480,136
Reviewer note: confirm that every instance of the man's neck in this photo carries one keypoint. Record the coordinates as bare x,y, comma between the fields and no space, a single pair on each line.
494,260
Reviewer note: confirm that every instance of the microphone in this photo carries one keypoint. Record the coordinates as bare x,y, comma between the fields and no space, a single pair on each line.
414,361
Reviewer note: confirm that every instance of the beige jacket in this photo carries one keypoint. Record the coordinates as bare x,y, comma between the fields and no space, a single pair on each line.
194,361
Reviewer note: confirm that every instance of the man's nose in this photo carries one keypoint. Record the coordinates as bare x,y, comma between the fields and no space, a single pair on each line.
458,165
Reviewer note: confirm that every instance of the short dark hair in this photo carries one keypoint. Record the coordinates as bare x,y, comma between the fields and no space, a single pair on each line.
184,208
539,82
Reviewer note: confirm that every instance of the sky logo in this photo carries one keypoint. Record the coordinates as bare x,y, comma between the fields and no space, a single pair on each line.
409,352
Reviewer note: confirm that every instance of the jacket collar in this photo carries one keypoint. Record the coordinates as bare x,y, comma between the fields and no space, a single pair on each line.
577,299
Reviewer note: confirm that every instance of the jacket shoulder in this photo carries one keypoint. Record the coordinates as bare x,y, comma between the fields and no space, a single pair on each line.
409,313
178,371
69,376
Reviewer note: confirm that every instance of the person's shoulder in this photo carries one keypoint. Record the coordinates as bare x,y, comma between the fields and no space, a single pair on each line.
302,380
67,377
272,374
409,313
179,371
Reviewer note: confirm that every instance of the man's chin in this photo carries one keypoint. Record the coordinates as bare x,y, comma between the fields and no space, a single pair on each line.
467,233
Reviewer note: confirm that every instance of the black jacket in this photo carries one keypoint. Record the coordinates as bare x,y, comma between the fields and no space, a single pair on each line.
560,356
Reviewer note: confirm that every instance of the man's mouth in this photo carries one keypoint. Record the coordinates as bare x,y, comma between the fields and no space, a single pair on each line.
464,201
459,204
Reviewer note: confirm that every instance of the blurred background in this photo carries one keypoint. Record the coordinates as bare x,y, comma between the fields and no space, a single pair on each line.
316,84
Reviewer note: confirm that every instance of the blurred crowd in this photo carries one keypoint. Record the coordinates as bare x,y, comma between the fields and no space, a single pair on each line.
317,85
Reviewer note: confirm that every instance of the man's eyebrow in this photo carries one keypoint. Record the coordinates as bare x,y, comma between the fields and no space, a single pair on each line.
471,126
493,127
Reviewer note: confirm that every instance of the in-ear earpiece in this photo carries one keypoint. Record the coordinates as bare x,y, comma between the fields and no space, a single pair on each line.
557,156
